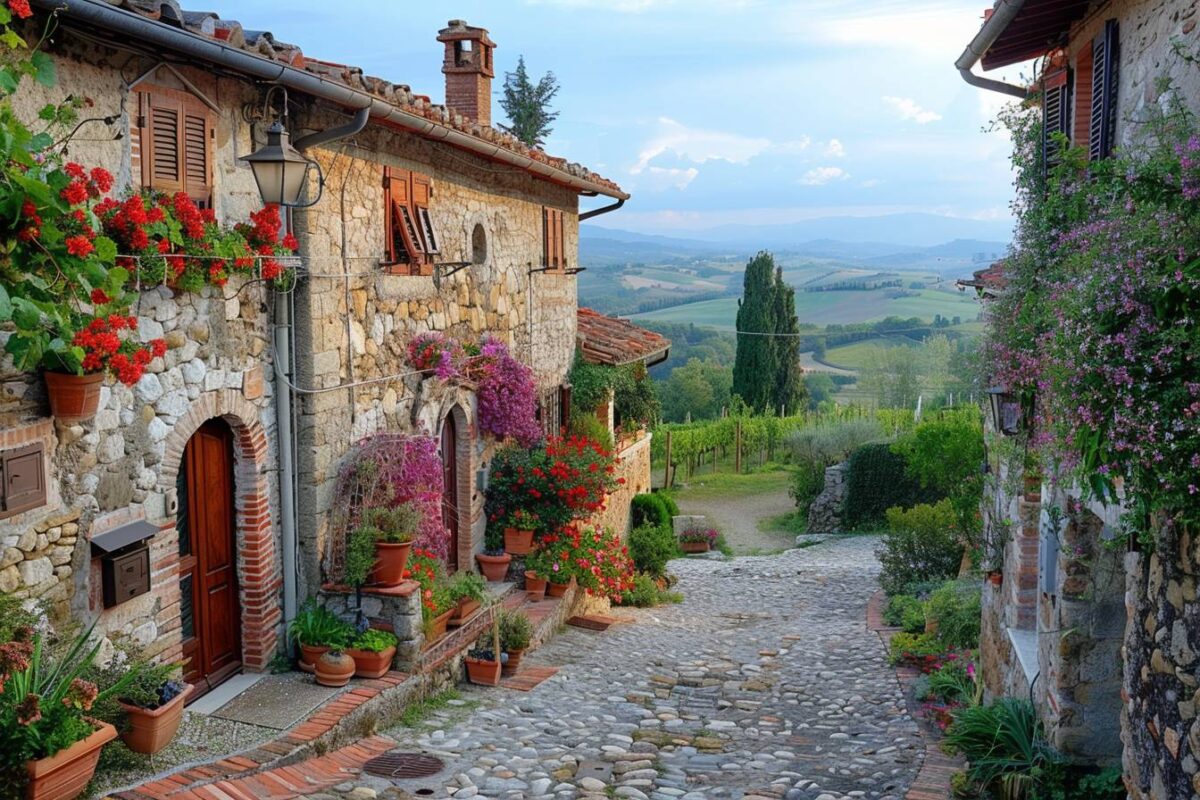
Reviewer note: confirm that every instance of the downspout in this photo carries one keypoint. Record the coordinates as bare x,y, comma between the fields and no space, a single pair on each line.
1004,13
284,406
595,212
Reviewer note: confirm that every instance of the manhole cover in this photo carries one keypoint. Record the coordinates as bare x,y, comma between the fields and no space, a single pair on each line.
403,765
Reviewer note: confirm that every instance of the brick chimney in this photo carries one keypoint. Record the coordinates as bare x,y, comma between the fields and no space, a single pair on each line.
468,70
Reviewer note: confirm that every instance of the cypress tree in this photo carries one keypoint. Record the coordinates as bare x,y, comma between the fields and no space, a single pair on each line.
755,365
789,376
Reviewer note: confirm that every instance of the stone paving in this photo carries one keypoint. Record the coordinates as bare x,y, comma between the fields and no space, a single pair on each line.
765,682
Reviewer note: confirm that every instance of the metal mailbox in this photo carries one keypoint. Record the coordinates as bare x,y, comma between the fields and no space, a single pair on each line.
124,561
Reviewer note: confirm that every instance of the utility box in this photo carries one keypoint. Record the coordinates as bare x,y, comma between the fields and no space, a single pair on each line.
124,561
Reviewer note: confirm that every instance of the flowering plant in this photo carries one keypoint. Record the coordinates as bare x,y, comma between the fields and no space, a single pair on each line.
437,352
425,568
700,535
595,557
523,520
507,395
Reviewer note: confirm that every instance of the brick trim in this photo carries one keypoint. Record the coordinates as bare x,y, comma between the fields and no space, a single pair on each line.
465,462
259,578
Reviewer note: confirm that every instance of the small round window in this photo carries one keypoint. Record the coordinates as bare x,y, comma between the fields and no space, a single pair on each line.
479,247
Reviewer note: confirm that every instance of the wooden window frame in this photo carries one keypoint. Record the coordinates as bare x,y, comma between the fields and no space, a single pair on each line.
190,111
410,239
554,256
11,505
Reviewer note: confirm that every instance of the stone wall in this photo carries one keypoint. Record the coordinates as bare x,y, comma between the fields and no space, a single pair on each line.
635,469
825,513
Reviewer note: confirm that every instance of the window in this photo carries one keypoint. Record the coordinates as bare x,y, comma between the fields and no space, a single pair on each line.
553,253
1103,122
411,240
1056,107
478,245
22,479
174,140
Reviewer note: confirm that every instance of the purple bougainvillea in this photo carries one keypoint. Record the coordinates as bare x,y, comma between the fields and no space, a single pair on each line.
507,395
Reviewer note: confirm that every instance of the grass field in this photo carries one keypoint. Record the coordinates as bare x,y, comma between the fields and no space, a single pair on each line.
831,308
856,355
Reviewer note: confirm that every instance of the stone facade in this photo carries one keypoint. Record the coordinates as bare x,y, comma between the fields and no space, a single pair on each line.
825,513
635,470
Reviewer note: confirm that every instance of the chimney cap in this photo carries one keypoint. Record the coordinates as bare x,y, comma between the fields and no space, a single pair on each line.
458,30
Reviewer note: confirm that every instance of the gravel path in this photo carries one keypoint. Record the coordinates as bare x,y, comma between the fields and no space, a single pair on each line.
737,516
763,683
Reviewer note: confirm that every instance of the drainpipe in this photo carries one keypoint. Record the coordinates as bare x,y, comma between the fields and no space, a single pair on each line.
1004,13
284,335
595,212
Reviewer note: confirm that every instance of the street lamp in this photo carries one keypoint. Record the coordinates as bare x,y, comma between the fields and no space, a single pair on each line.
1006,411
281,171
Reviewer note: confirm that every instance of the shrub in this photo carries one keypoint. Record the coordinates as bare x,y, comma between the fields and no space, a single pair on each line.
815,448
877,479
944,455
651,547
808,481
907,612
912,648
1002,742
954,682
516,631
650,509
957,607
922,543
646,593
590,426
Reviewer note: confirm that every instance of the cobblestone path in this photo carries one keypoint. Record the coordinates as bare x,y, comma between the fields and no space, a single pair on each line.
763,683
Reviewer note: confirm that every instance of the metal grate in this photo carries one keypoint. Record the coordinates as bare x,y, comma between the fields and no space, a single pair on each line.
400,766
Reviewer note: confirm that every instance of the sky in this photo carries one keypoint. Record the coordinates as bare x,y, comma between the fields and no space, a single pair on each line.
715,112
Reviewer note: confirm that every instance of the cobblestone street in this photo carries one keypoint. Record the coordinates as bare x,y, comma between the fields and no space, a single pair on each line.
764,682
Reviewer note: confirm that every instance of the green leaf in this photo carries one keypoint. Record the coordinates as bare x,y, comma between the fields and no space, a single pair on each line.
9,79
44,69
14,41
48,112
6,308
106,249
26,314
41,141
5,15
117,277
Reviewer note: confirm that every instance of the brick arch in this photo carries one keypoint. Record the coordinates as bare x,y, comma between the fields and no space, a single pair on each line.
464,428
259,578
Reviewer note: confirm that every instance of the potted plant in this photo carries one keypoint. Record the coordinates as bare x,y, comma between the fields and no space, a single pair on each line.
516,633
537,566
334,668
437,610
468,591
518,532
435,353
556,562
372,651
44,721
484,661
316,630
698,540
493,561
153,705
378,549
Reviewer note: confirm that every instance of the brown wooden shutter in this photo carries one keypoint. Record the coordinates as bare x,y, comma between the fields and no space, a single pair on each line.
175,141
22,479
1081,124
197,156
1102,126
552,246
1055,116
560,239
162,144
406,251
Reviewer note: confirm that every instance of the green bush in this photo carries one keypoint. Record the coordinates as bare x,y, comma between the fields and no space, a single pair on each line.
912,647
651,547
589,425
907,612
922,544
650,509
646,593
814,448
669,502
808,481
878,479
1003,744
945,454
951,683
957,607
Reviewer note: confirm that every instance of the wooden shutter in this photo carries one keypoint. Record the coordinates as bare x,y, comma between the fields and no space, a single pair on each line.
408,246
1056,109
552,245
197,156
1102,126
175,140
22,479
1082,100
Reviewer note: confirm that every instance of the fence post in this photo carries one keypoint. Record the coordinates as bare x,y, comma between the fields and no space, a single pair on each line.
667,469
737,449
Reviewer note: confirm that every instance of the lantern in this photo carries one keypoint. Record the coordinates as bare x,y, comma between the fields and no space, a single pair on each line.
281,171
1006,411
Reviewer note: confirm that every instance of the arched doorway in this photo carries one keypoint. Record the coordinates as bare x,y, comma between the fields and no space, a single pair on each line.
210,613
449,449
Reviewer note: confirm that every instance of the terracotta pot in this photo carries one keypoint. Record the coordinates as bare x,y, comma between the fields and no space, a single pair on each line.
152,729
390,561
514,662
494,568
369,664
64,775
310,654
73,397
484,673
517,542
461,612
694,547
557,589
995,578
437,627
535,587
334,669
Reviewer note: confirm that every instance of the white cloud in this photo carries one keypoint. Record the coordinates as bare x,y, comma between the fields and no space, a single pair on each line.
698,145
663,178
819,176
793,147
835,149
907,108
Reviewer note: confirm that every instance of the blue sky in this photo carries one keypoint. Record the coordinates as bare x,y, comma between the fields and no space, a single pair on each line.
715,112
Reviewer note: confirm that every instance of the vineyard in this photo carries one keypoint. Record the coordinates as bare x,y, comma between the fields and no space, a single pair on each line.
741,442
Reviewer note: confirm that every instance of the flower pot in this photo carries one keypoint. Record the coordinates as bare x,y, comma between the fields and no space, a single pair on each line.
437,627
995,578
334,669
535,587
369,664
463,611
152,729
514,662
517,542
484,673
694,547
390,560
310,654
494,568
64,775
73,397
557,589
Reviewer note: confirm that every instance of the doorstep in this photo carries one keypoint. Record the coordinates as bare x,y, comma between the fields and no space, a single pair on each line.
225,693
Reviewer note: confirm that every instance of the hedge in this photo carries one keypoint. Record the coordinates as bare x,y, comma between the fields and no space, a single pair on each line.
878,479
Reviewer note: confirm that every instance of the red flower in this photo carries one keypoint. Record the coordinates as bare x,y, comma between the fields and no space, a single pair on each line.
75,193
103,179
80,246
75,170
20,8
99,297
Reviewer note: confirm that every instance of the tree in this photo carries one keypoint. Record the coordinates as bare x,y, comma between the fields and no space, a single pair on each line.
893,376
699,388
789,376
528,105
755,365
819,387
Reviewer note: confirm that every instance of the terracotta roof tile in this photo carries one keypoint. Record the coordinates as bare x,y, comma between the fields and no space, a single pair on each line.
988,282
613,341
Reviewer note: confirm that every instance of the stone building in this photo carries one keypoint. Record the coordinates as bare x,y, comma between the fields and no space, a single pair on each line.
1102,640
425,218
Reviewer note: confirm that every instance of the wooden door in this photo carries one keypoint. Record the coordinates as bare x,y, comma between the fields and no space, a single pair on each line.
210,612
450,486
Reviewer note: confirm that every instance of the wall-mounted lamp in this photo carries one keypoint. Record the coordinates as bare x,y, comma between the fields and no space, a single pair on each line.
1006,411
281,171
